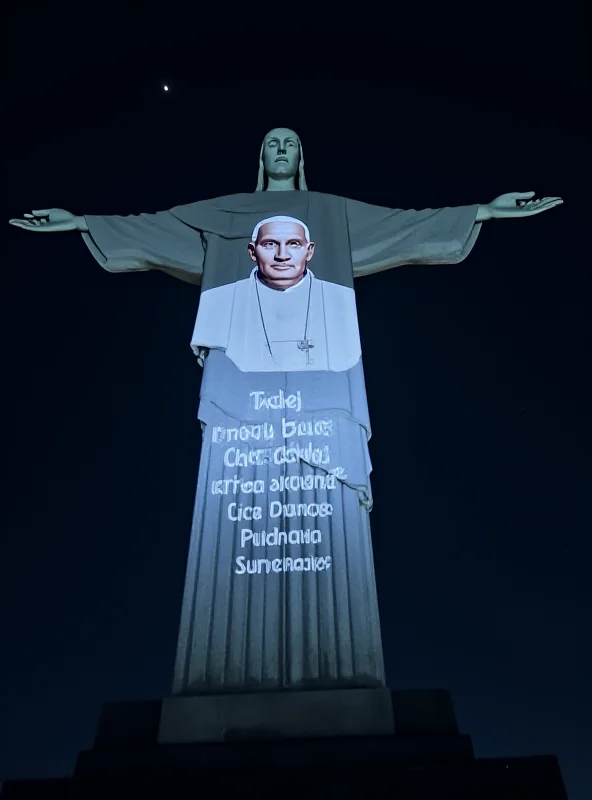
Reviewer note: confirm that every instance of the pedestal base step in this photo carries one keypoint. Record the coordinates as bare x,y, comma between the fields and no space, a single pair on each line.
276,715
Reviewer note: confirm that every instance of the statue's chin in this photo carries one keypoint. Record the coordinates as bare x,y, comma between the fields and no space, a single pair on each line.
281,174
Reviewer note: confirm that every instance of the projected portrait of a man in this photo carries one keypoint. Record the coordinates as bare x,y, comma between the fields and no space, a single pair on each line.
282,317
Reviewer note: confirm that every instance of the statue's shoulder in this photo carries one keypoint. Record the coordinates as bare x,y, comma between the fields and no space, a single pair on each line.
212,213
220,201
256,203
327,196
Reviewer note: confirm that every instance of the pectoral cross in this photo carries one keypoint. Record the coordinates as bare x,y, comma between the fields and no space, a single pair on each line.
306,345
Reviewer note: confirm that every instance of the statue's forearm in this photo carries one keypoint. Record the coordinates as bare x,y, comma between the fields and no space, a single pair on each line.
483,214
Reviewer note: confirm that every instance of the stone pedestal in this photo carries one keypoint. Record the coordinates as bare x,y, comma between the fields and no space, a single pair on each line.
276,715
218,747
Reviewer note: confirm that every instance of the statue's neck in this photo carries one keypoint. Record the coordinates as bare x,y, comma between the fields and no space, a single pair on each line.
288,185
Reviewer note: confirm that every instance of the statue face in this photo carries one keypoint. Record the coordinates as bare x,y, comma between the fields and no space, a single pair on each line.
281,252
281,153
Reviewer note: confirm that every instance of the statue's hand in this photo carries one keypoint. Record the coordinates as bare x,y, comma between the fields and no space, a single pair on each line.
519,204
50,220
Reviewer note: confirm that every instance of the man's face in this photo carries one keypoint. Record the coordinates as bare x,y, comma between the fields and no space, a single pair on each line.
281,252
281,154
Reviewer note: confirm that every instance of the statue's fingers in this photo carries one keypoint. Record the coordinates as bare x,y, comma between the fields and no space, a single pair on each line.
546,206
29,216
43,212
523,195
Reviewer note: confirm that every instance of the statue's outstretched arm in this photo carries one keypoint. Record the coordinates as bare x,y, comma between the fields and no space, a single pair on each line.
383,238
135,243
50,220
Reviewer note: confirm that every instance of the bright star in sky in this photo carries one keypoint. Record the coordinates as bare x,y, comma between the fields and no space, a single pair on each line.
165,87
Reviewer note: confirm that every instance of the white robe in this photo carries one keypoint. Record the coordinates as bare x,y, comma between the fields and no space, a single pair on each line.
236,318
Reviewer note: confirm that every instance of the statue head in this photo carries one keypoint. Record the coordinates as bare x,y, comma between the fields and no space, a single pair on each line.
281,158
281,248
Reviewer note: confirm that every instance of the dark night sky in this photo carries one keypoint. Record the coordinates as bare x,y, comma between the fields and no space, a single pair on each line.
477,374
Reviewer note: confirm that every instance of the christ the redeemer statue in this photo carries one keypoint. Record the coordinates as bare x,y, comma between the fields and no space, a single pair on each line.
280,590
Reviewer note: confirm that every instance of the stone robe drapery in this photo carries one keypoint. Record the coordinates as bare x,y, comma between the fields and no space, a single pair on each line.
283,600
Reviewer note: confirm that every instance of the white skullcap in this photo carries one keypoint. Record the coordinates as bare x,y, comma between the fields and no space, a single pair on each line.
279,219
